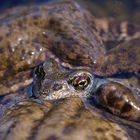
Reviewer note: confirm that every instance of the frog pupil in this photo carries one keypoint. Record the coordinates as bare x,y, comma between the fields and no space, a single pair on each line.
82,83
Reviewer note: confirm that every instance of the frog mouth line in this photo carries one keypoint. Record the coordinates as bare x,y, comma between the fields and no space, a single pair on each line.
64,93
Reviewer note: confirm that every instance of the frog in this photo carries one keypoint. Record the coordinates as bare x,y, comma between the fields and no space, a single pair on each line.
74,76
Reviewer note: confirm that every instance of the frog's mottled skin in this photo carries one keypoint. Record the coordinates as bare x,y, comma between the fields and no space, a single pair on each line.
64,119
70,41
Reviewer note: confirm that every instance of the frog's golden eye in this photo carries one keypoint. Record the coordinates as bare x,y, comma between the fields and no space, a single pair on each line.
80,82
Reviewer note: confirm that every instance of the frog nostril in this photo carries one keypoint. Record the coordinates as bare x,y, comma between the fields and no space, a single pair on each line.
57,86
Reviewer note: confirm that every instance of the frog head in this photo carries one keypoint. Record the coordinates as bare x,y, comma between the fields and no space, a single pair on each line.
53,81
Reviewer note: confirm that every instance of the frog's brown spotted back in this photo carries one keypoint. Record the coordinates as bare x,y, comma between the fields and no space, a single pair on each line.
24,44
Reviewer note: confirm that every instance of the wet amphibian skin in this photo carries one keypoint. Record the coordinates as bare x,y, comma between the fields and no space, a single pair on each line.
77,91
54,82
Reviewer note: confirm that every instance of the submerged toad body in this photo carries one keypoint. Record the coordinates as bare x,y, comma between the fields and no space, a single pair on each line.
74,69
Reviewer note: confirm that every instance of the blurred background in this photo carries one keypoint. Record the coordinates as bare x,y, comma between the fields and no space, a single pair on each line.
122,9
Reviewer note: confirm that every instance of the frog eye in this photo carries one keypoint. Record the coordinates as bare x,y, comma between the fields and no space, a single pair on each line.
39,72
80,81
119,100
